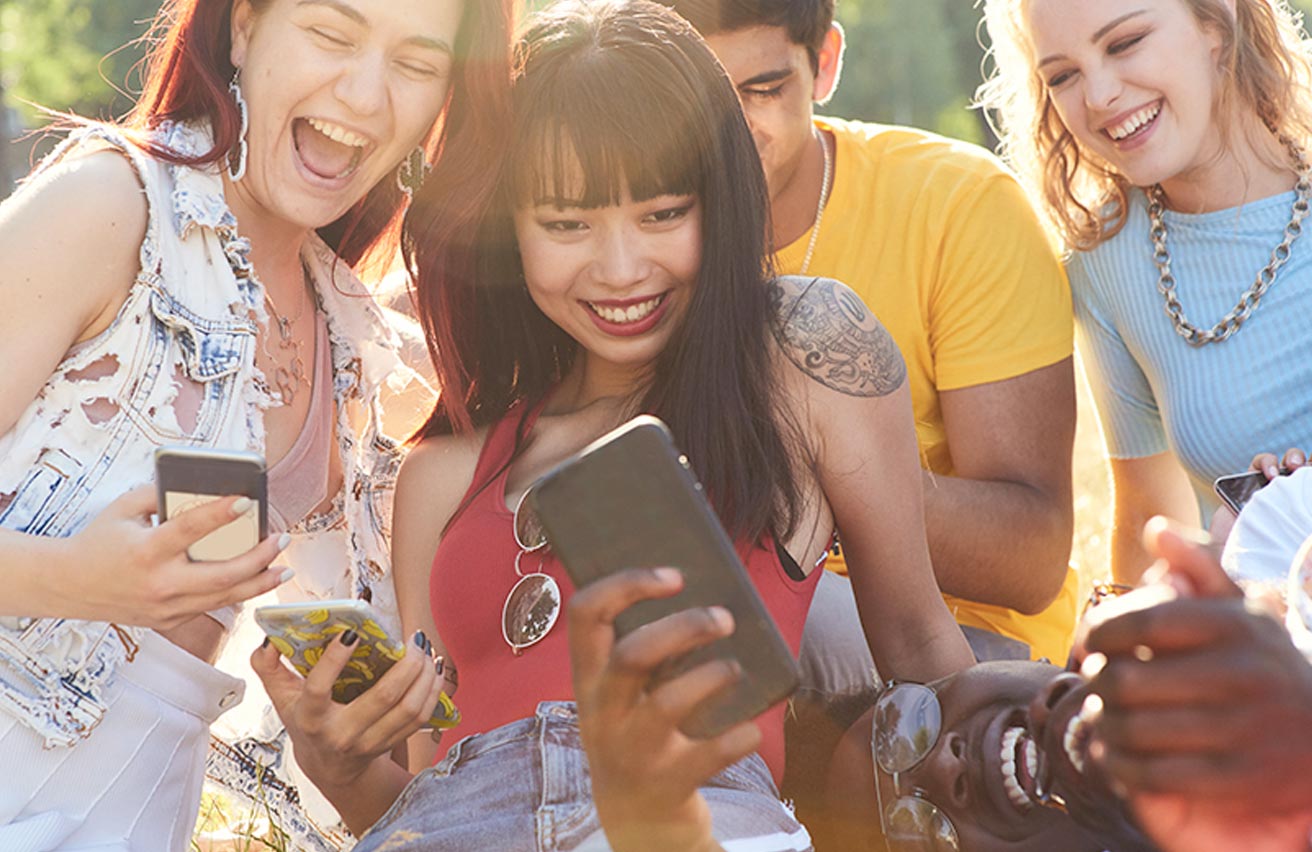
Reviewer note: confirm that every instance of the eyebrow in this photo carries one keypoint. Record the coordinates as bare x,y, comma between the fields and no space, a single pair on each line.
357,17
1097,36
767,77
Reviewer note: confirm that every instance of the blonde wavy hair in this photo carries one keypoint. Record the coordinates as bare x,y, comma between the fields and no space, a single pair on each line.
1265,68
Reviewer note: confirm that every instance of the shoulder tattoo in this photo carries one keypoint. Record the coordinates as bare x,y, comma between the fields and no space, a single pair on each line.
827,331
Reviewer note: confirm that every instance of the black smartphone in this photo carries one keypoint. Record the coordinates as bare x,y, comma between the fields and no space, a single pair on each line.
1236,489
192,476
629,500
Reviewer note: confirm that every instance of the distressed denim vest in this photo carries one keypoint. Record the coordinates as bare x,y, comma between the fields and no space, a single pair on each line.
188,323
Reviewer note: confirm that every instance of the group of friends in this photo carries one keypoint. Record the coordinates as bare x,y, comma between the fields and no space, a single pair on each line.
861,336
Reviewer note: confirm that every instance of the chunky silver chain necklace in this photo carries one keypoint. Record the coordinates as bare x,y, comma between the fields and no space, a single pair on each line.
820,206
1229,323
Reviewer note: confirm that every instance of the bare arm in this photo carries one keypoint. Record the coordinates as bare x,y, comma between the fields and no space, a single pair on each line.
852,379
1000,527
348,750
1142,488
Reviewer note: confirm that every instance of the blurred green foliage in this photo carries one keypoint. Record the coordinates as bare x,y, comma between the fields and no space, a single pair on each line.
71,54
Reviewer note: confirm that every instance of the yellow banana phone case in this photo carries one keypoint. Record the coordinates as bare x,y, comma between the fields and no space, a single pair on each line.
301,631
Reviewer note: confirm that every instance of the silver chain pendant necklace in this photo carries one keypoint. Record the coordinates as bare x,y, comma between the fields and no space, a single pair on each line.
1248,301
820,206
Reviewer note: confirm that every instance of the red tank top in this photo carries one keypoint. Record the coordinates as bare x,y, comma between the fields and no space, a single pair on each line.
473,571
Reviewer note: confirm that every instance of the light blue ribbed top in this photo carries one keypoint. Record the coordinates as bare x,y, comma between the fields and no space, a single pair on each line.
1215,406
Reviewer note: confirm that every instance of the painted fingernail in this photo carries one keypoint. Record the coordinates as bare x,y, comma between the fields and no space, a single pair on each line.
1296,459
286,575
439,665
1271,471
350,637
1093,665
421,641
265,643
284,540
241,505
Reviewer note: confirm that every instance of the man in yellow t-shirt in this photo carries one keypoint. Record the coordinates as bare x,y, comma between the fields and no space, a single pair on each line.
941,243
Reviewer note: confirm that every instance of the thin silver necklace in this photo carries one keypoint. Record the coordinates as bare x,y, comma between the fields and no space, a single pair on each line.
820,206
1248,301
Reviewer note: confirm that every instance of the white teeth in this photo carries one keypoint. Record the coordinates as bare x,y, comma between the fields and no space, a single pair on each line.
337,133
1015,792
1073,741
1134,122
632,313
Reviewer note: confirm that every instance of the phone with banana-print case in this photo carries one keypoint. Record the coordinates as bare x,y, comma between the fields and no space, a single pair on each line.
301,632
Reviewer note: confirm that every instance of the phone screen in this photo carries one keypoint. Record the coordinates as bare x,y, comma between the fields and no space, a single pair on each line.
228,541
1238,489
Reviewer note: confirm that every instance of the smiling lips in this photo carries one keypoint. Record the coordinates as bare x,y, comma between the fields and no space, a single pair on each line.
327,149
623,314
1135,123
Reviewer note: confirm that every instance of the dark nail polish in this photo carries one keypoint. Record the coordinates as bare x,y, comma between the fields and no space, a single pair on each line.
440,665
265,643
350,637
421,641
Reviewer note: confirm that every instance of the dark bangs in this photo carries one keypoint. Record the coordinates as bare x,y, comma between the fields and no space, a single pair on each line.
605,120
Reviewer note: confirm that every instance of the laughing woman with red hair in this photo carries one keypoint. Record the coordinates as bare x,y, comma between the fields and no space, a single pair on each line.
183,278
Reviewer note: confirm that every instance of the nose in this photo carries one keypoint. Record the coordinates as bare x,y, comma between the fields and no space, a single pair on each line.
1102,88
362,85
620,261
1046,699
943,776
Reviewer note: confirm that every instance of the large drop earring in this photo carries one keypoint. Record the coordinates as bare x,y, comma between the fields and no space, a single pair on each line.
412,171
238,152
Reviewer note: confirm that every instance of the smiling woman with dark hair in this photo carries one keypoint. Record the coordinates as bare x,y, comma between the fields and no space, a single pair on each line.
625,272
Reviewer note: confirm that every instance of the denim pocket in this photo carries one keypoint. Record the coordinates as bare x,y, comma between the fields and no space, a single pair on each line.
43,493
210,348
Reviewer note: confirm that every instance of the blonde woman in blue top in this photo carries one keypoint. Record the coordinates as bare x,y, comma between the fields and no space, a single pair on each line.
1166,142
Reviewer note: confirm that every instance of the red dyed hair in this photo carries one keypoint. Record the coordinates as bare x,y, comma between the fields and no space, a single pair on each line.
186,79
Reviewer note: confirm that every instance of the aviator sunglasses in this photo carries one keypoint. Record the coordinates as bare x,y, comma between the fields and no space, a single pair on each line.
533,604
908,721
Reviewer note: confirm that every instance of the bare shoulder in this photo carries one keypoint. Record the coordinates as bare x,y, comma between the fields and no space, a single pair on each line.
75,231
438,471
829,334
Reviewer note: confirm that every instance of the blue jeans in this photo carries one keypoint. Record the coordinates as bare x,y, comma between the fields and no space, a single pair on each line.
524,787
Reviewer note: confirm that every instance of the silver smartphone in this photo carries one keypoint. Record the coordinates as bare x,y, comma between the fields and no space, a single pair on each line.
187,477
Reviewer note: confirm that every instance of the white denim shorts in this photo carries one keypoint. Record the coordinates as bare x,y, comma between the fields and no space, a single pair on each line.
134,784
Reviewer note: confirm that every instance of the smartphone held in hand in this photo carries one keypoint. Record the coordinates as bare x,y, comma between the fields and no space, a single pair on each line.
301,632
629,500
187,477
1236,489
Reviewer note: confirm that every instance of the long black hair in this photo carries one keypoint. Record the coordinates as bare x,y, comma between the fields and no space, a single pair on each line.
630,95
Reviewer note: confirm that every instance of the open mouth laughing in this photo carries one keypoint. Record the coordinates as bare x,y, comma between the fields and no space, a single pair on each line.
327,149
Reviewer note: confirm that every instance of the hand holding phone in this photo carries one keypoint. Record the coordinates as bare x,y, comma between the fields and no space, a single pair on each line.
301,632
629,500
126,571
646,773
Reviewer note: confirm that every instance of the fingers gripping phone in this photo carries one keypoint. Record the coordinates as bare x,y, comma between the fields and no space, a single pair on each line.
301,632
187,477
629,500
1236,489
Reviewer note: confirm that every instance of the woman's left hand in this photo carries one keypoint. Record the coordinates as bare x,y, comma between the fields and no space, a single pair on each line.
645,771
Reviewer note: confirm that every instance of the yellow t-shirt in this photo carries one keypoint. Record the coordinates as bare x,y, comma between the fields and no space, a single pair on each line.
941,243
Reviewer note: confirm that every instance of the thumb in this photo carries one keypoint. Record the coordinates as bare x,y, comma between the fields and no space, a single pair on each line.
281,683
1189,557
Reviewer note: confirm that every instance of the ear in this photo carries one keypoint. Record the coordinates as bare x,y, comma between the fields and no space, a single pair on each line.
830,62
243,19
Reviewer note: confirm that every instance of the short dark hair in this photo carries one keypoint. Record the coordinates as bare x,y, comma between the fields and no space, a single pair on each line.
807,21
